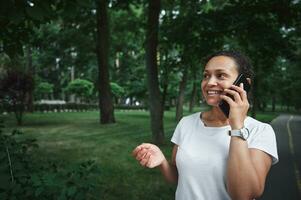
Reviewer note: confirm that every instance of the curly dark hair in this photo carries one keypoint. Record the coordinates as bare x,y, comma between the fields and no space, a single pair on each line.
243,63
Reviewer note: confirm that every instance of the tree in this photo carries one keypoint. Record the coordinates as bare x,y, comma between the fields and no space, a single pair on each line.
81,88
127,54
117,91
14,87
155,105
257,27
105,94
43,90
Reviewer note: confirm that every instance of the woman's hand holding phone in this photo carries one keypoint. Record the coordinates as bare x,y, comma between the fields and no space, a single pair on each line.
239,106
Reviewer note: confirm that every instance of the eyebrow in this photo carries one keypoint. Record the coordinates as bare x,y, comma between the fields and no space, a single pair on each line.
218,70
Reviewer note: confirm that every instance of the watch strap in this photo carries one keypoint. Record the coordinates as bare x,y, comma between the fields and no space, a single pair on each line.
235,133
242,133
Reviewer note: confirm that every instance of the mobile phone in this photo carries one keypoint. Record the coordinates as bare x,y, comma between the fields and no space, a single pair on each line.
223,105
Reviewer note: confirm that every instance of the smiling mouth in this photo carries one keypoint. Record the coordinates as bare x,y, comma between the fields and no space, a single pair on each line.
214,92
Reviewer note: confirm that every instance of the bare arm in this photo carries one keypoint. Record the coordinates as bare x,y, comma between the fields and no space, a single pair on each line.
247,168
169,169
149,155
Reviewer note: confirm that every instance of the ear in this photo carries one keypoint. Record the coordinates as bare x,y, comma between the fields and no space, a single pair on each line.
249,81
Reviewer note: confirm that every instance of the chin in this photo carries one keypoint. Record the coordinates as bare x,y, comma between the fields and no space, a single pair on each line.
212,103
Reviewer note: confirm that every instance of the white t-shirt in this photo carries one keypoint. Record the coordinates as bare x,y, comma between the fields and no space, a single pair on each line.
203,152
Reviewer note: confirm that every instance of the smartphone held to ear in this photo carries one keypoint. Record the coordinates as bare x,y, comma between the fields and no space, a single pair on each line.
223,105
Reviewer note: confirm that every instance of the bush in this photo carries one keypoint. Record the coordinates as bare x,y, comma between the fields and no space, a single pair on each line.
22,177
128,107
14,87
43,89
80,87
63,107
117,90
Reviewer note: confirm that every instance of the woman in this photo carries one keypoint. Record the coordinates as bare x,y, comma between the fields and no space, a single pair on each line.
206,162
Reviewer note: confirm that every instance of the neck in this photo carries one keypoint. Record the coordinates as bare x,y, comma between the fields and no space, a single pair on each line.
215,114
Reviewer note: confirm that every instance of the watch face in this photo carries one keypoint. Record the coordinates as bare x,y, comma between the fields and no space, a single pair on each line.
245,133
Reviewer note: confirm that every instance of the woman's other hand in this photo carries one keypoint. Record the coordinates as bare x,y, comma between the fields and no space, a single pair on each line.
149,155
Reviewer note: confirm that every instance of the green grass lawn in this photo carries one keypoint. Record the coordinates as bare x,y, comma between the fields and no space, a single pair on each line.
75,137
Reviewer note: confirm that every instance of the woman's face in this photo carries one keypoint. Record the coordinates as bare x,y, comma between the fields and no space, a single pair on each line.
219,73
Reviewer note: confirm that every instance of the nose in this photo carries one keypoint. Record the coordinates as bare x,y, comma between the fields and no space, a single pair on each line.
212,81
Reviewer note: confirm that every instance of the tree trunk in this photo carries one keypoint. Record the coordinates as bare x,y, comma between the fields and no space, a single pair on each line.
164,83
254,93
181,96
102,48
18,109
164,94
155,105
193,94
273,103
31,71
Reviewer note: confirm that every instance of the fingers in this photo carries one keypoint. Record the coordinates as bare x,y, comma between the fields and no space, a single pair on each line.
240,97
149,163
235,94
241,91
136,150
146,161
140,147
141,154
148,155
229,100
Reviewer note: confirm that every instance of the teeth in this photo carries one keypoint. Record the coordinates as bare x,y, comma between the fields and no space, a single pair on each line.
213,92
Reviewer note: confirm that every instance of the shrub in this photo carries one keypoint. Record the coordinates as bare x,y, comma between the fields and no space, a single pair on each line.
43,90
14,87
80,87
22,177
117,90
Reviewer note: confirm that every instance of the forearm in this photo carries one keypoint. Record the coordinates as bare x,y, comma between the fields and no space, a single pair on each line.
242,180
169,171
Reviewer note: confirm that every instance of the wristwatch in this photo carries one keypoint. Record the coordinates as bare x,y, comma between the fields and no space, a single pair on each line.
242,133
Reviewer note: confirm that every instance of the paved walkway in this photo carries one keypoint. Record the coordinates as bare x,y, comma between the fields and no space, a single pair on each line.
284,180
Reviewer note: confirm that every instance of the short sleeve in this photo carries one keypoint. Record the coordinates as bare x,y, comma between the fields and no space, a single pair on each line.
177,135
264,139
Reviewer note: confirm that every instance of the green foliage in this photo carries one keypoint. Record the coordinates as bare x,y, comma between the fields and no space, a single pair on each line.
14,86
18,19
71,182
117,90
43,89
25,177
189,30
80,87
65,107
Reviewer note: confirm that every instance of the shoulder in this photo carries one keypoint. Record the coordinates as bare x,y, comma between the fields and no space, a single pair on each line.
184,126
252,123
190,118
262,137
259,129
189,121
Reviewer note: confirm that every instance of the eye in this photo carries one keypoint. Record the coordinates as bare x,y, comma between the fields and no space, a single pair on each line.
205,76
222,76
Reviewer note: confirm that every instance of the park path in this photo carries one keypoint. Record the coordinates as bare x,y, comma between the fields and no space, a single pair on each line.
284,182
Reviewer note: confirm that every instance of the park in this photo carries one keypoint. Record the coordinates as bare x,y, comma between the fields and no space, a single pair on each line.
82,83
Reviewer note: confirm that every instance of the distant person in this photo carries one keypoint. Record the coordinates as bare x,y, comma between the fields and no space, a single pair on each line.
215,157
